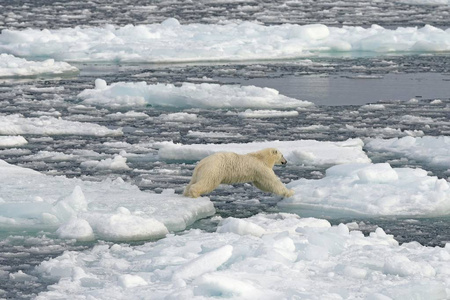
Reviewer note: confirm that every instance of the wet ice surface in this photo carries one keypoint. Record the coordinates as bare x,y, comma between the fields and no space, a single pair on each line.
40,14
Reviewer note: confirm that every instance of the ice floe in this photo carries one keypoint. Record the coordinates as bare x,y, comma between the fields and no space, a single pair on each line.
205,95
308,152
425,2
18,124
12,141
170,41
11,66
118,162
179,117
416,148
267,114
371,190
267,256
111,209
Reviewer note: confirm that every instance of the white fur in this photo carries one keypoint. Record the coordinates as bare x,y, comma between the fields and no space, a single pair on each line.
230,167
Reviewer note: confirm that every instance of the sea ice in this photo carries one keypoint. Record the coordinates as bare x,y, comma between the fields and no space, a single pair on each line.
433,150
426,2
111,210
308,152
370,190
11,66
170,41
117,163
12,141
273,256
204,95
18,124
179,117
267,114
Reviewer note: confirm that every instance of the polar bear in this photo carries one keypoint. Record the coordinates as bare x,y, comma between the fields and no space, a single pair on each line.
230,167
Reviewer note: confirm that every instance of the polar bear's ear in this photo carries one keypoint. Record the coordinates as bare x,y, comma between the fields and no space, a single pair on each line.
274,151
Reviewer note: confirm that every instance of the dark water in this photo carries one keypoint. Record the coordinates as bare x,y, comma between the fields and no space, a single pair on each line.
339,86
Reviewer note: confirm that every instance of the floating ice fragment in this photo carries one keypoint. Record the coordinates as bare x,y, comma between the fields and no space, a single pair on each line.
131,281
371,190
205,95
78,229
100,84
18,124
12,141
267,114
240,226
113,210
432,150
308,152
205,263
11,66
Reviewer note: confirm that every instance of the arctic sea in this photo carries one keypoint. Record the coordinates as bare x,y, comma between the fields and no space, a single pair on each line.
102,122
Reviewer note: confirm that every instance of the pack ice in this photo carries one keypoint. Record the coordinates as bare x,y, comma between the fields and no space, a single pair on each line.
11,66
417,148
371,190
111,210
203,95
170,41
17,124
267,256
307,152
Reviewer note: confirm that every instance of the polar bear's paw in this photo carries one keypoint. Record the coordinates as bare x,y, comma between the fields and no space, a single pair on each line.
289,193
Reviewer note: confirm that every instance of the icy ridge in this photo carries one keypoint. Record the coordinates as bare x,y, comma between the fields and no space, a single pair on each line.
170,41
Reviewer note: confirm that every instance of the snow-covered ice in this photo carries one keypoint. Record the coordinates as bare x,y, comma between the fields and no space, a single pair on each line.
170,41
371,190
205,95
267,256
17,124
111,209
12,141
308,152
11,66
417,148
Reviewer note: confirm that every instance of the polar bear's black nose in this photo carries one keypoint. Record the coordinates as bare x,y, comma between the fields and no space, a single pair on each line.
283,162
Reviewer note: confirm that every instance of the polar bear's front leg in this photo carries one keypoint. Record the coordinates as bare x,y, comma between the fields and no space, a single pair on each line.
269,182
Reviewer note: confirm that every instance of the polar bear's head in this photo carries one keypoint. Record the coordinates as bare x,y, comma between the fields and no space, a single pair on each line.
271,157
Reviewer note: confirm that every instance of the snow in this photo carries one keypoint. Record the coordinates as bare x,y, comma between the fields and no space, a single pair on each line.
170,41
11,66
371,190
267,114
289,258
416,148
12,141
204,95
111,209
17,124
308,152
